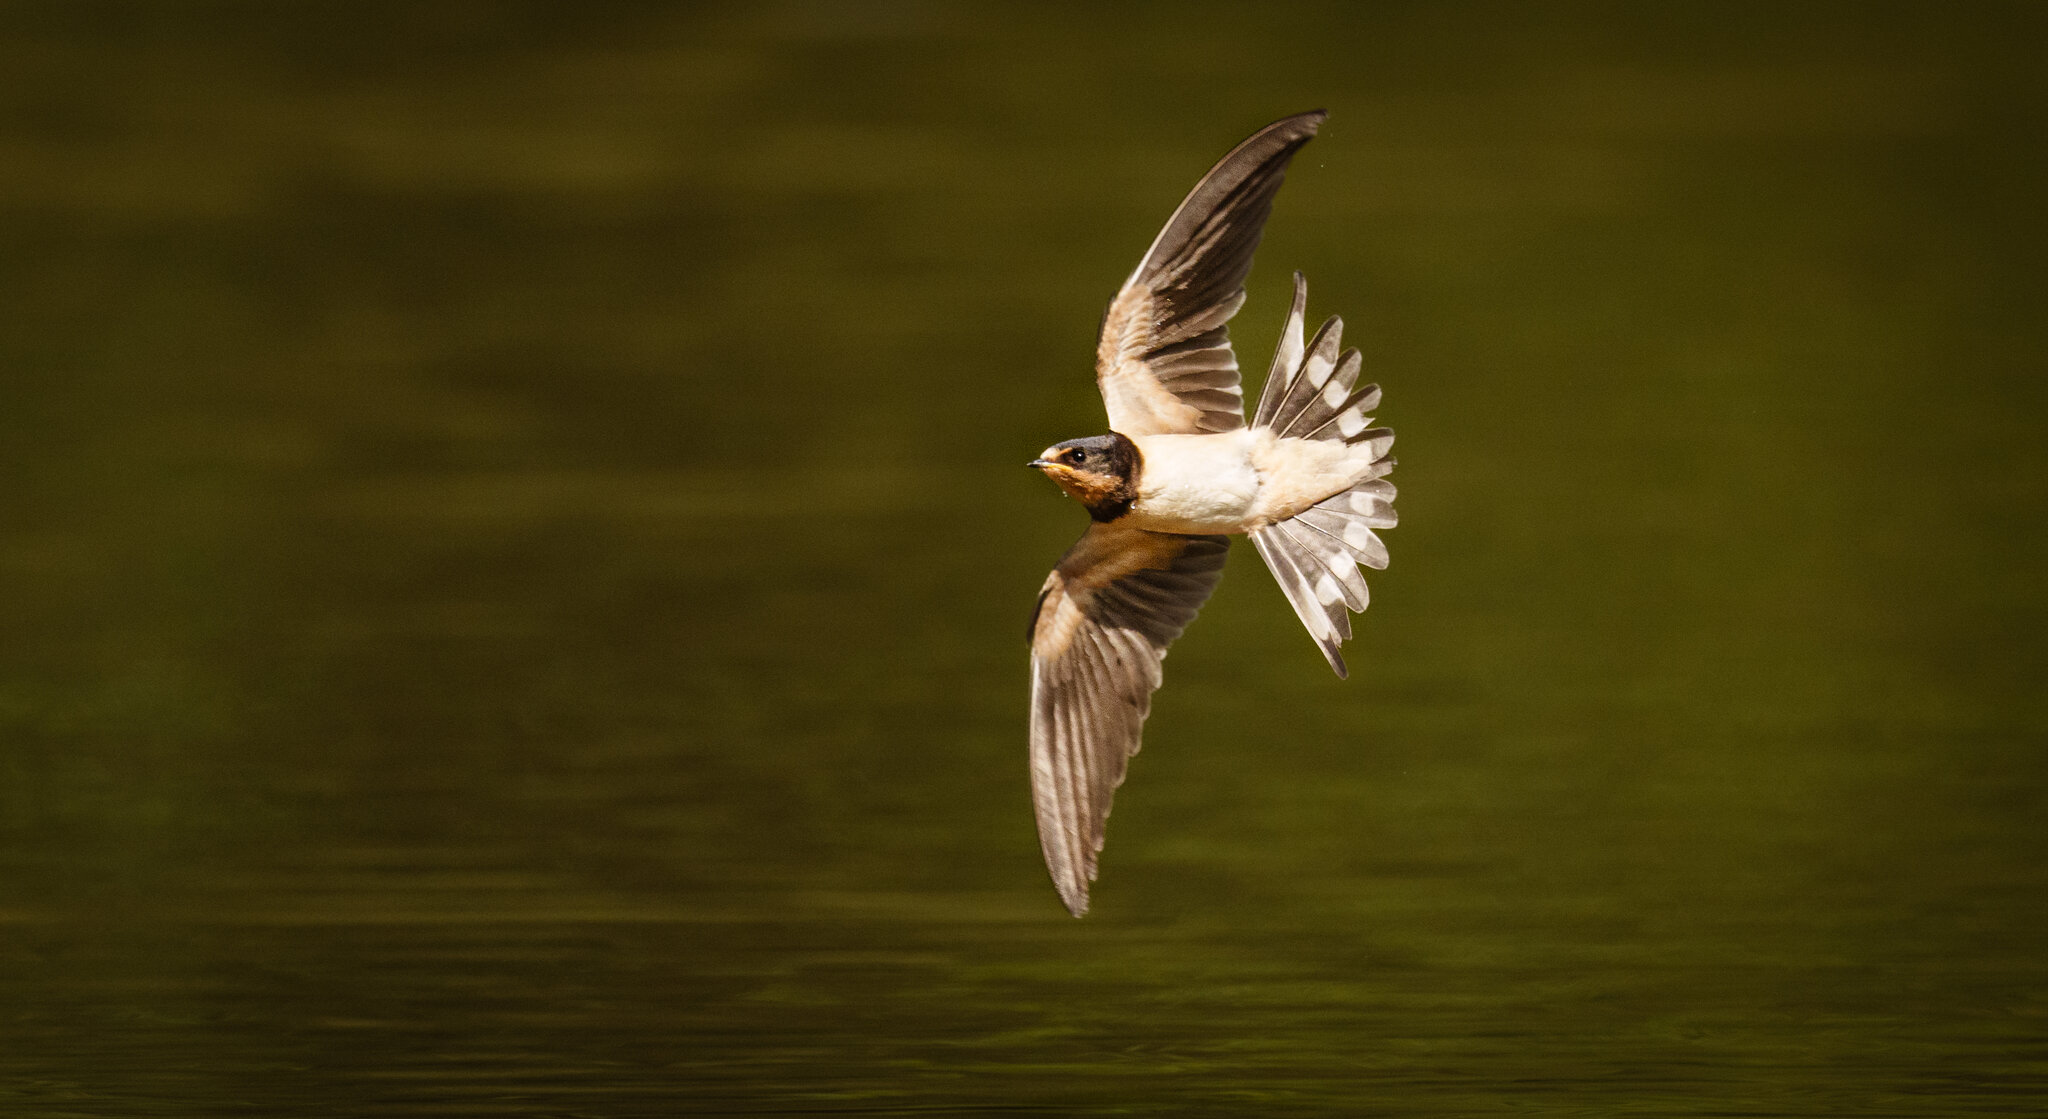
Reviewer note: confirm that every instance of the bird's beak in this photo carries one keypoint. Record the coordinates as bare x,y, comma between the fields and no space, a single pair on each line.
1040,463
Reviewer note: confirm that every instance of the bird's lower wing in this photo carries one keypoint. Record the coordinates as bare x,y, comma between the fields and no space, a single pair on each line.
1109,610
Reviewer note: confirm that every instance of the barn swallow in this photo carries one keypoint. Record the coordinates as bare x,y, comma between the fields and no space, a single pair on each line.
1180,472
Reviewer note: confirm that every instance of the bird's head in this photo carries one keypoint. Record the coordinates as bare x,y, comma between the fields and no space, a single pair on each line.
1101,472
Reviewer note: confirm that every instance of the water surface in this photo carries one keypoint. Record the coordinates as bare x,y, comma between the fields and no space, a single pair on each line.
514,559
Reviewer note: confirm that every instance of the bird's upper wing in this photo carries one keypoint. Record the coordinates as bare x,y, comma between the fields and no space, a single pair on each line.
1117,599
1164,360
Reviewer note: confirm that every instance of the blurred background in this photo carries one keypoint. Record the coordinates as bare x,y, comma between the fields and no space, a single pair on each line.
513,563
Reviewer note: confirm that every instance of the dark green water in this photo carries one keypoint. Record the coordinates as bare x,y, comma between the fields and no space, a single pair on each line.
513,562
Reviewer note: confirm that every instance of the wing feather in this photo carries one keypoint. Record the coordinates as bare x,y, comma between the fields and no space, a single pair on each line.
1109,611
1186,288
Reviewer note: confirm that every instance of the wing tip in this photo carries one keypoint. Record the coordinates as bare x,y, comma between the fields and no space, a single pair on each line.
1068,880
1306,121
1071,883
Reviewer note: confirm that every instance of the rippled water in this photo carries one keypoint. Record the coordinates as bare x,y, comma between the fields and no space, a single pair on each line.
514,557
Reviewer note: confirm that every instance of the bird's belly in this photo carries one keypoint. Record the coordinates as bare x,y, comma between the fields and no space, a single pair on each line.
1194,483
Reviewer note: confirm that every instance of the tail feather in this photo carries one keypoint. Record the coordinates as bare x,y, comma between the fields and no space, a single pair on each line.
1291,571
1286,357
1314,398
1353,532
1325,400
1315,554
1305,382
1331,556
1347,420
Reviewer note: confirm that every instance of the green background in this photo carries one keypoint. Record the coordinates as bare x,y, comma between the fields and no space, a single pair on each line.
513,559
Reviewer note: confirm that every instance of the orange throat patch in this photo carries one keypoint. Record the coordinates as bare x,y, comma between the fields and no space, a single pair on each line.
1106,496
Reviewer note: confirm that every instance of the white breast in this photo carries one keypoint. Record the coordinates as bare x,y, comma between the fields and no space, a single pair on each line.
1195,483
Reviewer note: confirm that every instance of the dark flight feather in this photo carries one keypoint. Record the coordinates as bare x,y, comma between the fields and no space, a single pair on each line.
1168,321
1108,612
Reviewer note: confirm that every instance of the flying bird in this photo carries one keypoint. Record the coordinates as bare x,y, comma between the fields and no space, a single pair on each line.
1178,472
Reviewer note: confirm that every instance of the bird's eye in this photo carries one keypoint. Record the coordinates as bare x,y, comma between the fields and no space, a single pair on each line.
1075,457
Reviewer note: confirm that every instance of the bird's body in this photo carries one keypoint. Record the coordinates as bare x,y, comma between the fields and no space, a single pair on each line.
1236,481
1229,482
1178,473
1195,484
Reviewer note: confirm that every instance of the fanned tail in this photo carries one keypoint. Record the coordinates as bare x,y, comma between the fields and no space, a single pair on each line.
1315,554
1308,393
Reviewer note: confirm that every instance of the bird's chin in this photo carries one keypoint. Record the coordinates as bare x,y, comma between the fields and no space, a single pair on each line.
1078,488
